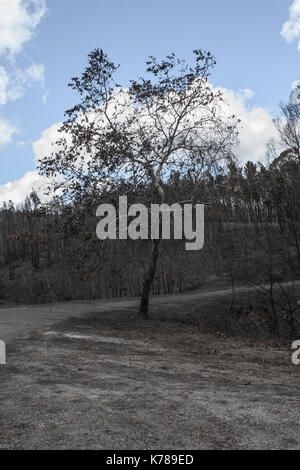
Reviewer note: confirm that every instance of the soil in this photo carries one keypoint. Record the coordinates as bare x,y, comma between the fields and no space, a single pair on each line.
92,375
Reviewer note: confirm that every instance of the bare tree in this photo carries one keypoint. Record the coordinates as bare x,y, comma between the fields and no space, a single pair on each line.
288,127
172,120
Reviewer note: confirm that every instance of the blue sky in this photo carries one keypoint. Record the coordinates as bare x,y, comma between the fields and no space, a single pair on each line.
44,43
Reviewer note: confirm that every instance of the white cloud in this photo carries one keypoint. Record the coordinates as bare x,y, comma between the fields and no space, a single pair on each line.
257,125
17,190
247,93
12,88
33,76
6,132
291,28
3,85
43,146
18,20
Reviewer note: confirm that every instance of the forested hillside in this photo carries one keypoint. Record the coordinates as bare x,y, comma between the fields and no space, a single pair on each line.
51,253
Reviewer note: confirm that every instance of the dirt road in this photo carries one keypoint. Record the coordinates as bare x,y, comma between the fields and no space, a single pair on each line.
20,320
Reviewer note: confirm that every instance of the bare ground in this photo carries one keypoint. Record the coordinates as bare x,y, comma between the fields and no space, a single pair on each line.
111,381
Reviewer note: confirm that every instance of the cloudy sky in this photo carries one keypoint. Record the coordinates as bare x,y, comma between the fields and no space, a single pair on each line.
43,43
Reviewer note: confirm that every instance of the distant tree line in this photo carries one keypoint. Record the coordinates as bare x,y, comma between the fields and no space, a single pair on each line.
252,219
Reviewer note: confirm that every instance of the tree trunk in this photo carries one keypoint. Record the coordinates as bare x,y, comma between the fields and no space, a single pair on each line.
144,303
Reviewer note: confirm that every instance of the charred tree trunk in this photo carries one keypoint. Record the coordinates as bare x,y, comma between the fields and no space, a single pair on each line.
149,276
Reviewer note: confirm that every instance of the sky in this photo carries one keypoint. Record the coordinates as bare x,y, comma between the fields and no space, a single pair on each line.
43,43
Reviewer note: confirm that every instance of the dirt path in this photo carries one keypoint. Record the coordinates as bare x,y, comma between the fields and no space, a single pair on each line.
111,381
19,321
